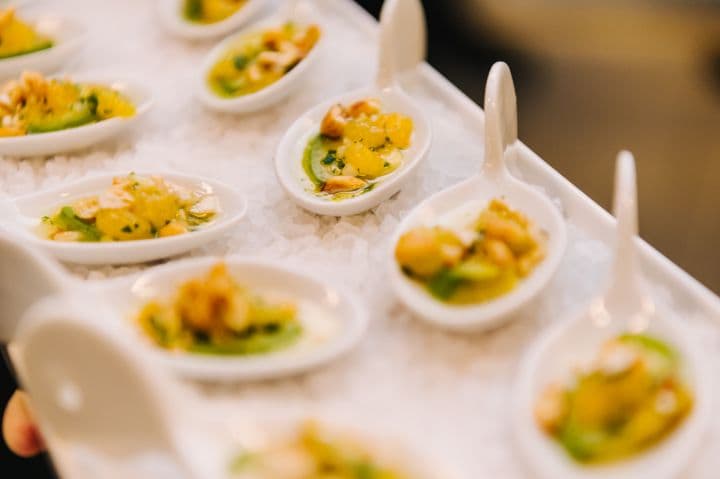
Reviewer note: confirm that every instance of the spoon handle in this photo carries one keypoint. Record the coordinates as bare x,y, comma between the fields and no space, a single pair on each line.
290,9
403,39
26,276
386,54
500,119
625,290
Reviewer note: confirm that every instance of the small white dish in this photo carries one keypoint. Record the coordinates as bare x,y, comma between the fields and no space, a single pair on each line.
71,139
171,16
290,151
302,14
495,181
333,322
625,306
67,35
23,217
264,426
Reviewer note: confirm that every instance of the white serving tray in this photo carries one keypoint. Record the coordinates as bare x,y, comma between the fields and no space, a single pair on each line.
447,393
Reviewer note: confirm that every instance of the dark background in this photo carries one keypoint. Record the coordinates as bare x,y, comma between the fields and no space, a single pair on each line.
592,79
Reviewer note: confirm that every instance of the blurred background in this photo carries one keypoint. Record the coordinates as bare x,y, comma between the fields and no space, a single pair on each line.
595,77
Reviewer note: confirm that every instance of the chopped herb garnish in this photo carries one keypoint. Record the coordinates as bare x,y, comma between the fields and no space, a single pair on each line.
126,229
241,61
329,158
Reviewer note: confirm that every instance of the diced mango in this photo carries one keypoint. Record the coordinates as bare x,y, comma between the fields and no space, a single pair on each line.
423,250
364,130
398,128
366,162
122,224
159,208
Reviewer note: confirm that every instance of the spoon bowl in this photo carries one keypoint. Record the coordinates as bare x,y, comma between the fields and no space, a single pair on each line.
84,381
24,215
71,139
280,425
170,13
290,151
471,196
331,319
271,94
67,36
624,307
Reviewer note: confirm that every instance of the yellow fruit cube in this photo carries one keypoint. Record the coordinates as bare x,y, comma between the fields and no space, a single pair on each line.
398,128
158,208
366,162
123,225
371,134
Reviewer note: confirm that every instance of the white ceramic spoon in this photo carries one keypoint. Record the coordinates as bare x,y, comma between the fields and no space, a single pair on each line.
333,322
23,216
100,409
625,306
290,151
302,15
67,35
494,181
83,136
171,16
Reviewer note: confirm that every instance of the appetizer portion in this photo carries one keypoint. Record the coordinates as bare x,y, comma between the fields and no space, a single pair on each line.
18,37
476,258
210,11
314,453
356,147
215,315
133,208
631,397
260,59
35,104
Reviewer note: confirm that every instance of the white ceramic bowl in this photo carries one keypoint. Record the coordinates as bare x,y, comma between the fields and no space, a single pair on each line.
268,95
333,322
72,139
67,34
570,344
625,306
479,191
171,16
290,152
23,216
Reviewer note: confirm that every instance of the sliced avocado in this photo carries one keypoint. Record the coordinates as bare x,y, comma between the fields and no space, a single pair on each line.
69,221
260,341
81,113
475,270
444,284
39,46
584,445
193,10
230,86
315,153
